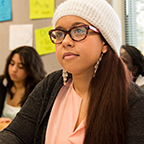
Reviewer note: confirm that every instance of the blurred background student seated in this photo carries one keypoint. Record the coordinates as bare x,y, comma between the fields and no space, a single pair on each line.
23,70
134,60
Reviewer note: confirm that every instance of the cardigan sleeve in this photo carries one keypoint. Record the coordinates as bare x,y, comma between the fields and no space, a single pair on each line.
3,91
135,133
24,128
21,129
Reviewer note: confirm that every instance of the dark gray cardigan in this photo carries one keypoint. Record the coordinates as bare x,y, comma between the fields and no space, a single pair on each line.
29,126
3,90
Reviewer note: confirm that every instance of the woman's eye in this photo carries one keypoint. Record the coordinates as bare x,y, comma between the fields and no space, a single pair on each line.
59,34
11,63
79,30
20,66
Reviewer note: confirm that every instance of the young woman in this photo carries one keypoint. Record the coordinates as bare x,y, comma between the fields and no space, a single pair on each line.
23,70
134,60
93,100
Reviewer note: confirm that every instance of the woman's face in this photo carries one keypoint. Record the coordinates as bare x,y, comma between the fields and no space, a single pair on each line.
126,58
78,57
16,69
128,61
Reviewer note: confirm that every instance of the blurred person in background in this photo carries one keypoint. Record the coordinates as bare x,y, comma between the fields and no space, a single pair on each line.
23,70
134,60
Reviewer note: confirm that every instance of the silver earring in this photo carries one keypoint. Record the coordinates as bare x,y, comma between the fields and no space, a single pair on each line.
64,75
97,64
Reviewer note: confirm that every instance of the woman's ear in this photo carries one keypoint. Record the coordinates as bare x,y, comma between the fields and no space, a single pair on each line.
104,48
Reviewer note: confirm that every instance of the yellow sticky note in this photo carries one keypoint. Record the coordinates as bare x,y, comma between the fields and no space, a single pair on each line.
41,9
43,42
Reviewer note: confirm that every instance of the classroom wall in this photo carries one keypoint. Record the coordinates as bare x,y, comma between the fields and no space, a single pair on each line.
118,7
20,15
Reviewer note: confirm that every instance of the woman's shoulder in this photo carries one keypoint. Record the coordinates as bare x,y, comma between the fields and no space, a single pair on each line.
3,87
56,76
2,81
136,94
53,77
135,134
1,77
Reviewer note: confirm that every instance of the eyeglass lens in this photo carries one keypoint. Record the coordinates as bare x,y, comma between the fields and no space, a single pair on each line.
76,33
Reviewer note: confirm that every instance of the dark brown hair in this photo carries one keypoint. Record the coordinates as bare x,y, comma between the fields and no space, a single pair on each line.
33,66
137,58
107,116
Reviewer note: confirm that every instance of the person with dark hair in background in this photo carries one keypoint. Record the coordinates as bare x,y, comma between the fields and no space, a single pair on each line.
23,70
134,60
93,100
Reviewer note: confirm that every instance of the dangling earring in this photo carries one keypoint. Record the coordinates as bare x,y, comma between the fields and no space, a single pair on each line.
97,64
64,75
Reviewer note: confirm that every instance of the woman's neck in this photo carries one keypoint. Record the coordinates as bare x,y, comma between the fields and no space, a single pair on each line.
18,90
81,85
18,87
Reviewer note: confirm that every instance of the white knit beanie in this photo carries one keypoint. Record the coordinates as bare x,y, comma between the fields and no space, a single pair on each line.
98,13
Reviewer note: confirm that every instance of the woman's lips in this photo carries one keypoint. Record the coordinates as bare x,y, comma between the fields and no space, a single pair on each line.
13,75
69,55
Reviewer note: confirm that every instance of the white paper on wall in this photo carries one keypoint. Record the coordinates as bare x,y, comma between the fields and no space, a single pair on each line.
20,35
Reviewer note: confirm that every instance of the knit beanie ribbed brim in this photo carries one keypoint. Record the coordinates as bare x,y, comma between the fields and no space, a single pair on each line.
98,13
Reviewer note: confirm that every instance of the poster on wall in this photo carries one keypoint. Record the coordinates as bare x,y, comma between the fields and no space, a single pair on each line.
41,9
5,10
43,42
20,35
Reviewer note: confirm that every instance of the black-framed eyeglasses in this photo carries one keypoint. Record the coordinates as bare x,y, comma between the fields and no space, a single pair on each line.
77,33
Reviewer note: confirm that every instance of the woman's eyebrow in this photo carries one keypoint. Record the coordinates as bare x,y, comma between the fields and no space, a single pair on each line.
77,23
59,27
74,24
18,63
12,60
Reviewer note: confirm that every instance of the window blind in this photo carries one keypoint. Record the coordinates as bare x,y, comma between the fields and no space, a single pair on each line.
129,8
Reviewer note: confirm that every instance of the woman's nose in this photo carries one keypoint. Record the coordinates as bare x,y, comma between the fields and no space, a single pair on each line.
15,68
68,41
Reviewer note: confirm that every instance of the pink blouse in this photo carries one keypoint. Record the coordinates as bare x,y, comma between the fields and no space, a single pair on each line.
63,118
